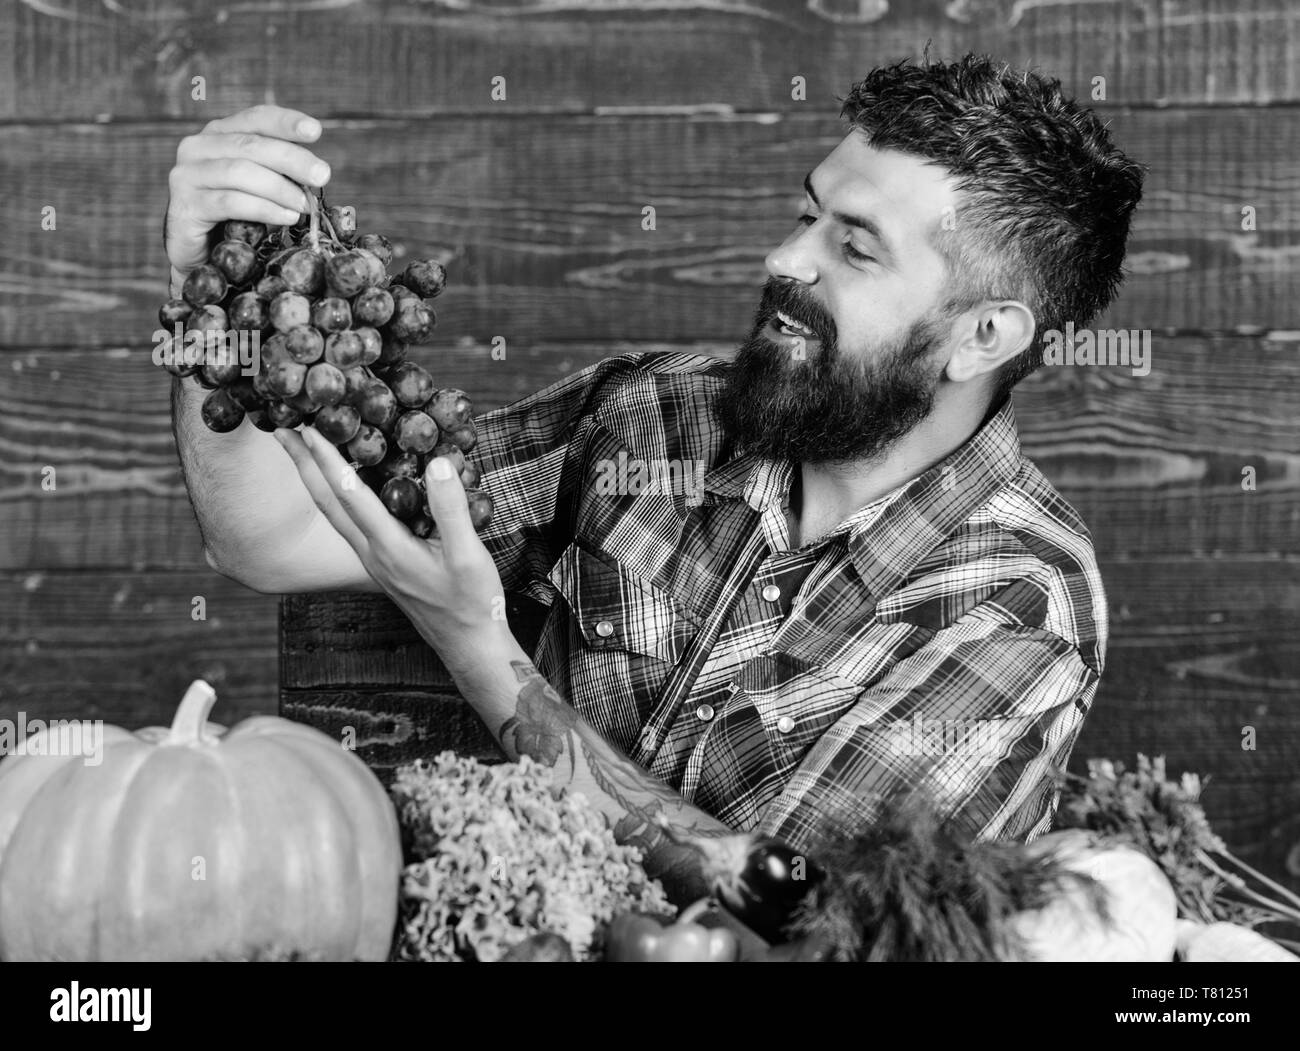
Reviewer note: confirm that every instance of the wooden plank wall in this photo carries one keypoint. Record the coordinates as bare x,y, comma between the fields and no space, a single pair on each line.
534,204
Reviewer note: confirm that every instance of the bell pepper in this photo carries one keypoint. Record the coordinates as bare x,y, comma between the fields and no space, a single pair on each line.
636,937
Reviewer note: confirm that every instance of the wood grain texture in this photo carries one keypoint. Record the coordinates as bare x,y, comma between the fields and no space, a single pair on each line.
390,727
83,58
1152,463
539,221
123,647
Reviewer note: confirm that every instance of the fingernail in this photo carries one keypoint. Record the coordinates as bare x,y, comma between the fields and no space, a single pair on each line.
440,468
308,128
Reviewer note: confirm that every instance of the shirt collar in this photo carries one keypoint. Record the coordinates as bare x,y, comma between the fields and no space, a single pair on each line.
888,537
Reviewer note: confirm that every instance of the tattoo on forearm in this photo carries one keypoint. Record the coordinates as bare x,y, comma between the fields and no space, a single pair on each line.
647,801
543,723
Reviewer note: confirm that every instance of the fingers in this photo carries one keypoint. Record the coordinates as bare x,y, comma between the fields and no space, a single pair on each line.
235,173
218,205
449,506
324,495
363,508
278,121
247,153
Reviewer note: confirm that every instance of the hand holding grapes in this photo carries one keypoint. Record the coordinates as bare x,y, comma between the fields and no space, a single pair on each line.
448,585
247,166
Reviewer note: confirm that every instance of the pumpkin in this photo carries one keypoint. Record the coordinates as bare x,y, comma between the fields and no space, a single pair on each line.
1142,905
1227,943
196,842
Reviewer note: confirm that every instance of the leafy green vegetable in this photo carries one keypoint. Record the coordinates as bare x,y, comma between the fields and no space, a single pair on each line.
1164,819
915,887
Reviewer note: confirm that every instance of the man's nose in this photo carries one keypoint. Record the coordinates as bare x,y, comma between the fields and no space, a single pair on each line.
793,260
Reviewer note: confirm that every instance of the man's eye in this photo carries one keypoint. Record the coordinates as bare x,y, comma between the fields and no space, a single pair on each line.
849,250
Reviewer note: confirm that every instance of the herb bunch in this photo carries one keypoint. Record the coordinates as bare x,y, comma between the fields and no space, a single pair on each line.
916,887
1164,819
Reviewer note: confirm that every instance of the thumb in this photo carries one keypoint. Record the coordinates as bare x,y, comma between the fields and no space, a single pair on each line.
447,501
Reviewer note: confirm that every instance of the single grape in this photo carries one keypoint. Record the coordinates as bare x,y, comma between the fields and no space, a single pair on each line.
425,278
423,526
470,476
373,306
412,321
356,382
451,452
344,349
331,314
376,273
400,292
378,244
175,310
412,384
221,413
269,286
205,284
304,271
480,508
289,310
285,378
347,274
338,423
465,436
283,415
415,431
344,220
372,344
325,384
402,497
304,344
274,349
220,362
378,405
210,318
259,385
303,401
235,259
451,408
368,445
399,464
242,230
247,312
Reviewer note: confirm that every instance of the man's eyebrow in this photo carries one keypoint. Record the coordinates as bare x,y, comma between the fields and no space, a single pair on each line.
869,225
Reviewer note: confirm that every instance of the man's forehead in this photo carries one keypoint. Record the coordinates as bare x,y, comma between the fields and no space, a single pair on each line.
907,195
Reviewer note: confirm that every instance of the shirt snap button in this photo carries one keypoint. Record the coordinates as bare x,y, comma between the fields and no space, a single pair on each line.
771,593
704,712
605,629
785,724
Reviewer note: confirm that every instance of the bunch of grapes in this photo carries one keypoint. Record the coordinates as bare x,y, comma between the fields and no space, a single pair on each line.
333,328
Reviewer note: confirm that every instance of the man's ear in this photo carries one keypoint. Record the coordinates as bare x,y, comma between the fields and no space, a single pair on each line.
995,333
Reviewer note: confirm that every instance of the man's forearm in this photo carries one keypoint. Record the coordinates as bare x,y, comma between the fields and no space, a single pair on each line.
244,489
530,718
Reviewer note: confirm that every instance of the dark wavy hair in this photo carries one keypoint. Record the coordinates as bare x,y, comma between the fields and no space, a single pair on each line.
1044,199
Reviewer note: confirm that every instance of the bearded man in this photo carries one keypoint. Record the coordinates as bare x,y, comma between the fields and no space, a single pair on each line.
870,550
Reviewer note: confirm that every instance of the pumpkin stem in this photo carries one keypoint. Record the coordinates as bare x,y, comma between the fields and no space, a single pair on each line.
192,715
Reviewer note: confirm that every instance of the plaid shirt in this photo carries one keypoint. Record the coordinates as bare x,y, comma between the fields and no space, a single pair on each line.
949,635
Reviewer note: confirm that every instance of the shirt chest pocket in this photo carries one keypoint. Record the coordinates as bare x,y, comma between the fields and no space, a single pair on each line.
625,635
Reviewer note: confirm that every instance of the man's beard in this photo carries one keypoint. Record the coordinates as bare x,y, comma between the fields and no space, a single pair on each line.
826,408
